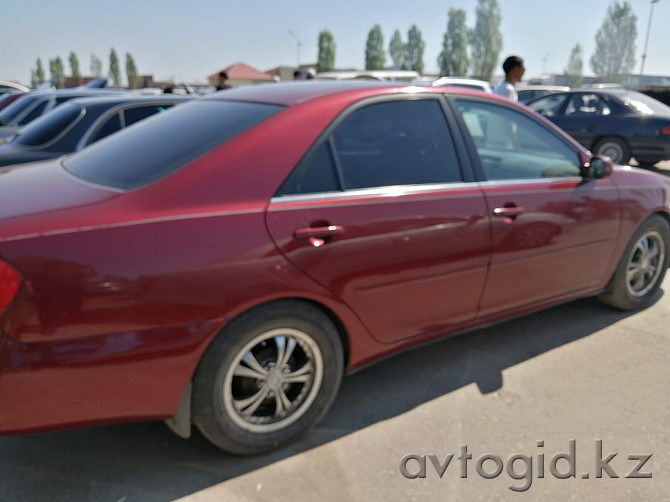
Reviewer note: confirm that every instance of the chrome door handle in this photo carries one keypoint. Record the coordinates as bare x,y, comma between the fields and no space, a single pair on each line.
318,236
508,212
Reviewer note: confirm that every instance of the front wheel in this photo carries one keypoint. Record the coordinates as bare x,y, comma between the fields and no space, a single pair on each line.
642,267
614,148
268,376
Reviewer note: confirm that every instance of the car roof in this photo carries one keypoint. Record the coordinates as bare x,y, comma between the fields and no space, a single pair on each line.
132,99
76,92
292,93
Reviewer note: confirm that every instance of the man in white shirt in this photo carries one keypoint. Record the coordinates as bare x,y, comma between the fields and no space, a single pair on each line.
514,70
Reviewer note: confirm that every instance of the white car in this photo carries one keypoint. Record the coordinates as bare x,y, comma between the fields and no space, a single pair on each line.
468,83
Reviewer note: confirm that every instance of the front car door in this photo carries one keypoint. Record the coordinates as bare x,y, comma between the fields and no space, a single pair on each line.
553,232
383,212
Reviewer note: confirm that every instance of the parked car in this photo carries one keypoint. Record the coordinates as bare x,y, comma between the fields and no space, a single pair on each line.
224,263
7,86
612,121
467,83
79,123
34,104
530,92
9,97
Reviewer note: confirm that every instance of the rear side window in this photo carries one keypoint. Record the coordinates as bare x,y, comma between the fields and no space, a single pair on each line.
404,142
161,144
47,128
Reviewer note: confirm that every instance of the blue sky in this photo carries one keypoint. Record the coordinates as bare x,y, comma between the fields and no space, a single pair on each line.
187,40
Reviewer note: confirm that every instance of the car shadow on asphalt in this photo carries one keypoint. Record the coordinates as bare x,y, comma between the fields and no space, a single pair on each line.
146,462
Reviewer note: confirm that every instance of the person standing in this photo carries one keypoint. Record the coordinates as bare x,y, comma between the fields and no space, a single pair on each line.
223,81
514,70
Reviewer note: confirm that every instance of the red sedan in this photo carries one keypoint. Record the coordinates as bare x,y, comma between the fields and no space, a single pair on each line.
222,264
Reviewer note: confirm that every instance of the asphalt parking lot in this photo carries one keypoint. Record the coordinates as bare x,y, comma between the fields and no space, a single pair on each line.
528,387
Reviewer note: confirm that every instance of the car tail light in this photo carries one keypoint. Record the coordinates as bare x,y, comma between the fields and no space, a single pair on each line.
666,130
10,280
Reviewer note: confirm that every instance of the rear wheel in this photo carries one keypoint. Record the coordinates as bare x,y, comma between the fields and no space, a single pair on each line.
615,148
269,375
642,267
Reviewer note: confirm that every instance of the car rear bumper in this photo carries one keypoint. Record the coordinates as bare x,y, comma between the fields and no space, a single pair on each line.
118,377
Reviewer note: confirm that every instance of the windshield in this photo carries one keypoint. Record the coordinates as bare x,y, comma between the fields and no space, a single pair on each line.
11,111
48,127
644,104
159,145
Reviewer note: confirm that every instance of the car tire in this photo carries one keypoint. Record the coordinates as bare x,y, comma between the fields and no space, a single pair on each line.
615,148
268,376
642,266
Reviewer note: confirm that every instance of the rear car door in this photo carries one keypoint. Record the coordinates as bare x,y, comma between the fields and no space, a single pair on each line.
382,212
552,231
584,116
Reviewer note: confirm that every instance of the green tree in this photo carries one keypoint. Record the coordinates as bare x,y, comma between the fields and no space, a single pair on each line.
74,66
57,72
397,50
39,72
131,71
614,55
486,41
415,48
573,72
375,55
453,60
326,61
114,69
96,66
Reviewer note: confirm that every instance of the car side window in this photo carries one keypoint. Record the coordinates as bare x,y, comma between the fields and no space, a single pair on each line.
587,104
34,113
550,105
512,145
112,125
137,113
382,144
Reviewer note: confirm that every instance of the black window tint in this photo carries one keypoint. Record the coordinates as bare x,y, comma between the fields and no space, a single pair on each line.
511,145
63,99
316,173
13,110
112,125
34,113
47,128
396,143
164,143
138,113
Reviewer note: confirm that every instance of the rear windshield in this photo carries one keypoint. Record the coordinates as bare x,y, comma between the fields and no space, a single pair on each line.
46,128
12,110
159,145
645,104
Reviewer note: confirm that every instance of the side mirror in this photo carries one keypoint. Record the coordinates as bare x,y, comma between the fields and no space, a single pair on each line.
597,168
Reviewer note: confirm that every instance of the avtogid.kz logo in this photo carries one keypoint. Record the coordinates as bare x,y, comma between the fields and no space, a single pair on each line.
562,465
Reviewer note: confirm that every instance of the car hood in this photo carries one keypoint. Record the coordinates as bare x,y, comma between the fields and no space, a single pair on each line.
44,187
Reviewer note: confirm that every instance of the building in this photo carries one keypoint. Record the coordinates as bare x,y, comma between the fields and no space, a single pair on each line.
241,74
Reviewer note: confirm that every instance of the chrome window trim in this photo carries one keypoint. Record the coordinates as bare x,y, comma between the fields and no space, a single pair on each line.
385,191
528,181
